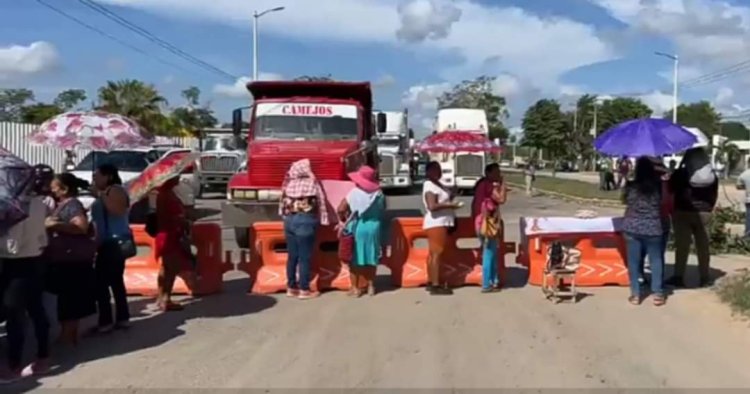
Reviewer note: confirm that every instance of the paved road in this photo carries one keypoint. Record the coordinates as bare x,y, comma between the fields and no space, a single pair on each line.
406,339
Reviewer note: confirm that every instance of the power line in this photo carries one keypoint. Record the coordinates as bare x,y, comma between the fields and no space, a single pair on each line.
107,35
718,75
151,37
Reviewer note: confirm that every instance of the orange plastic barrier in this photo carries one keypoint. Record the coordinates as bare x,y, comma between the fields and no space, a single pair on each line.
267,265
142,271
461,266
603,257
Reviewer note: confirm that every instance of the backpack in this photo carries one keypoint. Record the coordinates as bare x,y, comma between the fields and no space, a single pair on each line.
152,224
703,177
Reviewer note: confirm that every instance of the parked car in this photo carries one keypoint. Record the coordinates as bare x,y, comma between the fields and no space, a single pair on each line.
130,163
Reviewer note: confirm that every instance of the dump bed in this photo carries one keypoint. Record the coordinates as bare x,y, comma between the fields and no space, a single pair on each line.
357,91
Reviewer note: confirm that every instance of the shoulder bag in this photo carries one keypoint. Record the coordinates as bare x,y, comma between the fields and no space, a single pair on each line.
70,248
125,242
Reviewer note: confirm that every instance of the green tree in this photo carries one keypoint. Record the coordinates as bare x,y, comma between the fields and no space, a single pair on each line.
69,100
701,115
193,117
735,131
729,154
12,102
136,100
618,110
544,125
479,94
38,113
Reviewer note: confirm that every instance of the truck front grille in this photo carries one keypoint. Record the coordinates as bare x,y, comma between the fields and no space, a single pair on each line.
469,165
387,165
219,163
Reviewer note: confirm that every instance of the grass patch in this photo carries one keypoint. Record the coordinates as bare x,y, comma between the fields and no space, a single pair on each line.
735,291
570,187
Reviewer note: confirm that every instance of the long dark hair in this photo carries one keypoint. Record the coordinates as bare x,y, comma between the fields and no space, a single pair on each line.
695,159
110,171
71,183
646,179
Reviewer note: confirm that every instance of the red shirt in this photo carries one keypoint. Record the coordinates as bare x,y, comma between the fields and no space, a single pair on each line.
170,214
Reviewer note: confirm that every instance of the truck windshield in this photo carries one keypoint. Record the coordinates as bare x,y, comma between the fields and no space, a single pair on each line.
213,143
129,161
305,121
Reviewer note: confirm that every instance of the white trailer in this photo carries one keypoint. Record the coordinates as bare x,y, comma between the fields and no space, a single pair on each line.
462,169
393,151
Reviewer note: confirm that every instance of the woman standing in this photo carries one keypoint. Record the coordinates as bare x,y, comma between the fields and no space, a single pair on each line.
696,190
489,193
364,207
440,217
73,282
172,228
303,209
109,213
643,230
22,281
529,176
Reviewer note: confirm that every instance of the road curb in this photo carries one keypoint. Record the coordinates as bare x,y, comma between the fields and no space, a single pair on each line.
594,201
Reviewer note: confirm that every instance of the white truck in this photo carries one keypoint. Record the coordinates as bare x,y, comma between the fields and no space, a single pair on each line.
461,169
221,157
393,151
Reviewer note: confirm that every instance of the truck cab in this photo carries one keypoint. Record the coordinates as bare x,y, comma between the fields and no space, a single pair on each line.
393,152
330,123
221,157
461,169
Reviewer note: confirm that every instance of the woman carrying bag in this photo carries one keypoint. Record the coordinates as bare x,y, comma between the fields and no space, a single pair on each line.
362,210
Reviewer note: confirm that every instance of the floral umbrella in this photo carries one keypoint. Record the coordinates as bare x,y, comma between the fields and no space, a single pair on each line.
93,130
16,179
159,172
457,141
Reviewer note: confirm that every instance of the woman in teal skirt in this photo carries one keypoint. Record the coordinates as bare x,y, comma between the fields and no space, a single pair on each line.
362,212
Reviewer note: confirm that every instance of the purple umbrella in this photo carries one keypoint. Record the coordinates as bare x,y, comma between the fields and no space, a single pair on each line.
644,137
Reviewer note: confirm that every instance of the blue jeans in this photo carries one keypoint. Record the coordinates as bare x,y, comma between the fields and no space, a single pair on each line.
299,231
667,227
489,263
652,245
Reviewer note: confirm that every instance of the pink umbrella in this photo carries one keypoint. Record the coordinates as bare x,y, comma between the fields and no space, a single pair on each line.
94,130
457,141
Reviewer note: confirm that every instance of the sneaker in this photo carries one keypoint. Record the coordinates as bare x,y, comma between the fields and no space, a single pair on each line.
486,290
675,281
307,294
38,367
292,292
9,376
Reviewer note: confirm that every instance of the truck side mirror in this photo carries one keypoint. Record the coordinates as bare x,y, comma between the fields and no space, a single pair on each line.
237,122
381,122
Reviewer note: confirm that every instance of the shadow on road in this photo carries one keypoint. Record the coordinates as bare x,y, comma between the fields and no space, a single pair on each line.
150,330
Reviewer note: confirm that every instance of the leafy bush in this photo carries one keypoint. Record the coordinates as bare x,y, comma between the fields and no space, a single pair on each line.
735,291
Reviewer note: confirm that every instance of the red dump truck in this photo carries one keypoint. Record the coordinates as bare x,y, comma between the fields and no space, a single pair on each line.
330,123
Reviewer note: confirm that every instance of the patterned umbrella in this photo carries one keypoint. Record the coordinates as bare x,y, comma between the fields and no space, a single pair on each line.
456,141
159,172
16,179
94,130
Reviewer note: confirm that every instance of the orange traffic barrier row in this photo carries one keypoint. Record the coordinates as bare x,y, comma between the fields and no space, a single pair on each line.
142,271
602,247
268,258
460,266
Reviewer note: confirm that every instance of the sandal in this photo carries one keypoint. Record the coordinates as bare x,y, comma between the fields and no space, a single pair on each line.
633,300
660,300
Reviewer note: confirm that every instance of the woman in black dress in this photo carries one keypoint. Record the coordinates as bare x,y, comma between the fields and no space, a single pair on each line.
72,281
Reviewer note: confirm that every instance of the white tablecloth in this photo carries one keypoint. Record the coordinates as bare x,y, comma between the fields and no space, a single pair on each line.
568,225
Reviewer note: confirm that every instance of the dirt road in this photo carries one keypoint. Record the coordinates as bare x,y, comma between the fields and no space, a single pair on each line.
407,339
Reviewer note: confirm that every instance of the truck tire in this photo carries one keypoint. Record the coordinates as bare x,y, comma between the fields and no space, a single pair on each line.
242,237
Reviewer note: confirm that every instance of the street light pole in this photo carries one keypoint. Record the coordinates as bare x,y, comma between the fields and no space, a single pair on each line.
676,61
256,16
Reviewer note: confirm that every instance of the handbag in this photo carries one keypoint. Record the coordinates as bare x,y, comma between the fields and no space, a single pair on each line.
70,248
490,226
125,243
346,240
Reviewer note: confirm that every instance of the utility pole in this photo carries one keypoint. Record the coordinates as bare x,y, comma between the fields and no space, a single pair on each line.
676,60
256,16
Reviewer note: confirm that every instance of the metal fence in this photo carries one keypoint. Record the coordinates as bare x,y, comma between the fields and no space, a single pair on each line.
13,137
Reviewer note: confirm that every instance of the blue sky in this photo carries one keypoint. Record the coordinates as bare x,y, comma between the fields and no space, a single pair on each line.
411,50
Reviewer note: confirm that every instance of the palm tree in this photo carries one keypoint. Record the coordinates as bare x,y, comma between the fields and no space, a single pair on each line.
136,100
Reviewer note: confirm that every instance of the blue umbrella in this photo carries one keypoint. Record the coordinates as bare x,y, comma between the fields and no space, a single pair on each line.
645,137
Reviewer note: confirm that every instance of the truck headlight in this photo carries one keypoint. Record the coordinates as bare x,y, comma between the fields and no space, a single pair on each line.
269,195
245,194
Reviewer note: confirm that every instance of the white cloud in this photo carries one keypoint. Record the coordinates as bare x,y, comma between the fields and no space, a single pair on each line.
426,19
659,102
18,61
385,80
239,88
